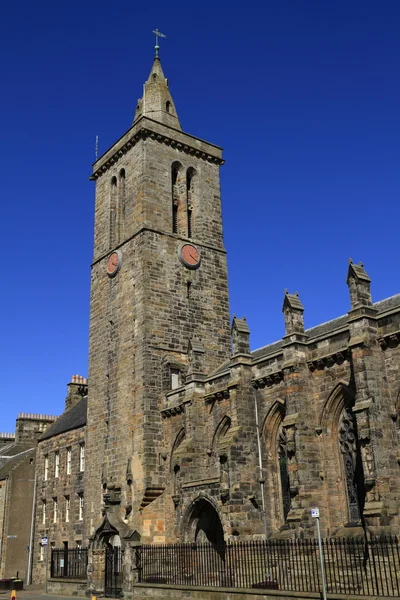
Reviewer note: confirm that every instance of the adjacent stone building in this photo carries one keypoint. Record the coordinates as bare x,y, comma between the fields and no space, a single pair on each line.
60,480
17,485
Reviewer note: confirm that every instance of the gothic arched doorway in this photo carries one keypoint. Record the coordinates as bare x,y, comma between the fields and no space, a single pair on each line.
205,525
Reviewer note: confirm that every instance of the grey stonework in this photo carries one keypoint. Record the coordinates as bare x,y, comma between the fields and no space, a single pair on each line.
17,485
190,435
64,438
170,453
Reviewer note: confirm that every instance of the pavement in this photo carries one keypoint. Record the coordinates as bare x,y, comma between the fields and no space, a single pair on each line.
33,592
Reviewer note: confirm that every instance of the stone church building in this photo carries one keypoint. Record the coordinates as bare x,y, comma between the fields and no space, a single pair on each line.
190,435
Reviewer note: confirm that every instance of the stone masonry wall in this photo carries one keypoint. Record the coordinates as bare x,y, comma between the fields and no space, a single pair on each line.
71,486
142,320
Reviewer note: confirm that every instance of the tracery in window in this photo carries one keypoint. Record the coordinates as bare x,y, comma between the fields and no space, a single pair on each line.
352,464
283,470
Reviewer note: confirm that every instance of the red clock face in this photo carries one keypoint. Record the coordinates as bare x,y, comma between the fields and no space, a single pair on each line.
113,264
190,256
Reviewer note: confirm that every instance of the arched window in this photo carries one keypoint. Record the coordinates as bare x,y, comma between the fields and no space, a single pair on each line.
167,106
175,466
190,192
121,206
276,466
341,457
352,465
176,197
113,211
283,470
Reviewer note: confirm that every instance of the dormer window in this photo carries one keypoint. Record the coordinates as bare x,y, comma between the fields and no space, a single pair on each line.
168,106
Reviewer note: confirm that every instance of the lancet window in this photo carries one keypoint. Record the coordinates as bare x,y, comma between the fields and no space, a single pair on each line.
352,464
283,471
190,192
113,211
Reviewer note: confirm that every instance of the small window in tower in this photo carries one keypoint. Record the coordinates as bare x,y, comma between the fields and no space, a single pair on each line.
167,106
175,378
82,457
154,76
175,197
114,182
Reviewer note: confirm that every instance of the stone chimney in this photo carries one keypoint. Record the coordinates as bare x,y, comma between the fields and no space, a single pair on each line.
77,389
359,286
240,334
6,439
29,427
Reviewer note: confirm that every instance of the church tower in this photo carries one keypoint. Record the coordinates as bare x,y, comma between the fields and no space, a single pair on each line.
158,288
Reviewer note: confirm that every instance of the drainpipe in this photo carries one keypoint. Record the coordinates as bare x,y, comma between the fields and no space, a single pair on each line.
4,525
29,569
261,476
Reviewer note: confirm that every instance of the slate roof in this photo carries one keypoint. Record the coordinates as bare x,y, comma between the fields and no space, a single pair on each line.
13,449
72,419
7,465
383,306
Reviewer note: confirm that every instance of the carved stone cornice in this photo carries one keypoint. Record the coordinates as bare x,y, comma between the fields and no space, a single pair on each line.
322,362
163,138
171,411
217,395
390,340
268,380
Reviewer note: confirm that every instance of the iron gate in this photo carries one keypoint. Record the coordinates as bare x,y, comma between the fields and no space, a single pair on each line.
113,572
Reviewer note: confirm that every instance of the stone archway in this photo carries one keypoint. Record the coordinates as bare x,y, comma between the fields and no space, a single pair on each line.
204,524
203,527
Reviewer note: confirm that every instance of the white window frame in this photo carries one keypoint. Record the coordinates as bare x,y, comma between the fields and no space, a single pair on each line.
69,460
67,508
175,378
56,464
55,510
81,505
46,467
81,457
44,512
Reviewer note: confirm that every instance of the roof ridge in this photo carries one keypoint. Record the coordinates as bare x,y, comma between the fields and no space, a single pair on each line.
385,299
376,304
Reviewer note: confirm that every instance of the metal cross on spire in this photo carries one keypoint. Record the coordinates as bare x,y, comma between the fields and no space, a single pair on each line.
158,34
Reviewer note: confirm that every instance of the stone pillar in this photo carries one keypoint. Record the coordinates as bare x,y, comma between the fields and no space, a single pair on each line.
244,494
302,447
240,334
196,361
96,572
373,407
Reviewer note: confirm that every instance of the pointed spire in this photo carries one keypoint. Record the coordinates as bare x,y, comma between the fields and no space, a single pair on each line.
157,103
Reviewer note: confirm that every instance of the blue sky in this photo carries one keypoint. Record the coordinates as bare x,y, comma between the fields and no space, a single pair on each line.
304,99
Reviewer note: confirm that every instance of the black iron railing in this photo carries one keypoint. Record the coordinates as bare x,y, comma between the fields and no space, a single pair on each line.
69,562
352,566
